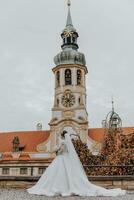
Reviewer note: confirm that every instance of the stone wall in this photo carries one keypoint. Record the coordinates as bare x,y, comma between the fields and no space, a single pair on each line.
126,182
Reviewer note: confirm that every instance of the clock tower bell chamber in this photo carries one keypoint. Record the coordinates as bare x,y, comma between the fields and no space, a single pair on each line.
69,108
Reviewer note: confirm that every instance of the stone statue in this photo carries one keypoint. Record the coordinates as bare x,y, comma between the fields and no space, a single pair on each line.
16,143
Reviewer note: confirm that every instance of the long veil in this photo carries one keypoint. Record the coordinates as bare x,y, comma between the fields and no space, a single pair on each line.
74,159
77,178
66,176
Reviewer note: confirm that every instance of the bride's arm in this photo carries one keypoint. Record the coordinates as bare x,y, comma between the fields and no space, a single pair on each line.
61,149
55,150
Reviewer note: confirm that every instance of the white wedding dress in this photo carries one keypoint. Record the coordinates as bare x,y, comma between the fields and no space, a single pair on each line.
65,176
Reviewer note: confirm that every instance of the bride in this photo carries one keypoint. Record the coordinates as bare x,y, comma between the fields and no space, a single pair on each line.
65,175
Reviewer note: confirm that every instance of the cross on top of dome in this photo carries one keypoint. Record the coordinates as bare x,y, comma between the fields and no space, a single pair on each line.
68,2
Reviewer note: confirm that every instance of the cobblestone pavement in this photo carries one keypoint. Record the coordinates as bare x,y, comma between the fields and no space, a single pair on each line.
13,194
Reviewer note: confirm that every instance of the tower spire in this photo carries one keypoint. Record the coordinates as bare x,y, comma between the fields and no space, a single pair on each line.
68,2
112,104
69,35
69,18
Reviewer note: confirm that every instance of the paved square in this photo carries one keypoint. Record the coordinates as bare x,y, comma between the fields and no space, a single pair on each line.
15,194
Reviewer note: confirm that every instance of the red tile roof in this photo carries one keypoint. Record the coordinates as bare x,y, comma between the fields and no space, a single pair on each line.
97,134
30,139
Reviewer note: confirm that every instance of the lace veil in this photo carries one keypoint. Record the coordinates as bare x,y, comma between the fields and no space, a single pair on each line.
73,156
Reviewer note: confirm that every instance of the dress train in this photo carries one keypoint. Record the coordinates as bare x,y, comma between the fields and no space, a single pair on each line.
65,176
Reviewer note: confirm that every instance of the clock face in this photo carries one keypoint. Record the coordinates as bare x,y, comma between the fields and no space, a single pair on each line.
68,100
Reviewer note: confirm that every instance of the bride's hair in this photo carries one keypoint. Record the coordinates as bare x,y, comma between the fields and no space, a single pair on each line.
63,133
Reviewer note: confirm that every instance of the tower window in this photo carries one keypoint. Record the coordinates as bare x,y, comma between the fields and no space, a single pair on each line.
58,102
79,100
73,39
68,77
79,77
68,40
58,79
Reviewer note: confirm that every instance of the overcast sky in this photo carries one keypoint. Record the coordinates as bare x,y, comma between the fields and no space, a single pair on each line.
30,38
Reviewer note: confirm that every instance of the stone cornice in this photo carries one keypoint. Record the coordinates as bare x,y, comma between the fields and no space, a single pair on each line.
71,109
68,120
70,66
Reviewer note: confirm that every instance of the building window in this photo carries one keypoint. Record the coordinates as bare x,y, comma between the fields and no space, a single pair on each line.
5,171
79,77
68,77
58,79
41,170
23,171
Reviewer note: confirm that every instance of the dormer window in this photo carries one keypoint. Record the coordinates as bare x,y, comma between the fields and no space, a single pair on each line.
68,77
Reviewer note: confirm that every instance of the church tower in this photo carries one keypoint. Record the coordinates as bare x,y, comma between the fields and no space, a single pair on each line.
69,109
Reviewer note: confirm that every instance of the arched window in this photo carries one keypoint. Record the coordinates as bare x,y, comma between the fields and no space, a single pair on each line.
79,77
58,79
68,77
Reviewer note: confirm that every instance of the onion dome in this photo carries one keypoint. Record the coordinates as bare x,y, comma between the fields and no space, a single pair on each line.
70,56
69,53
